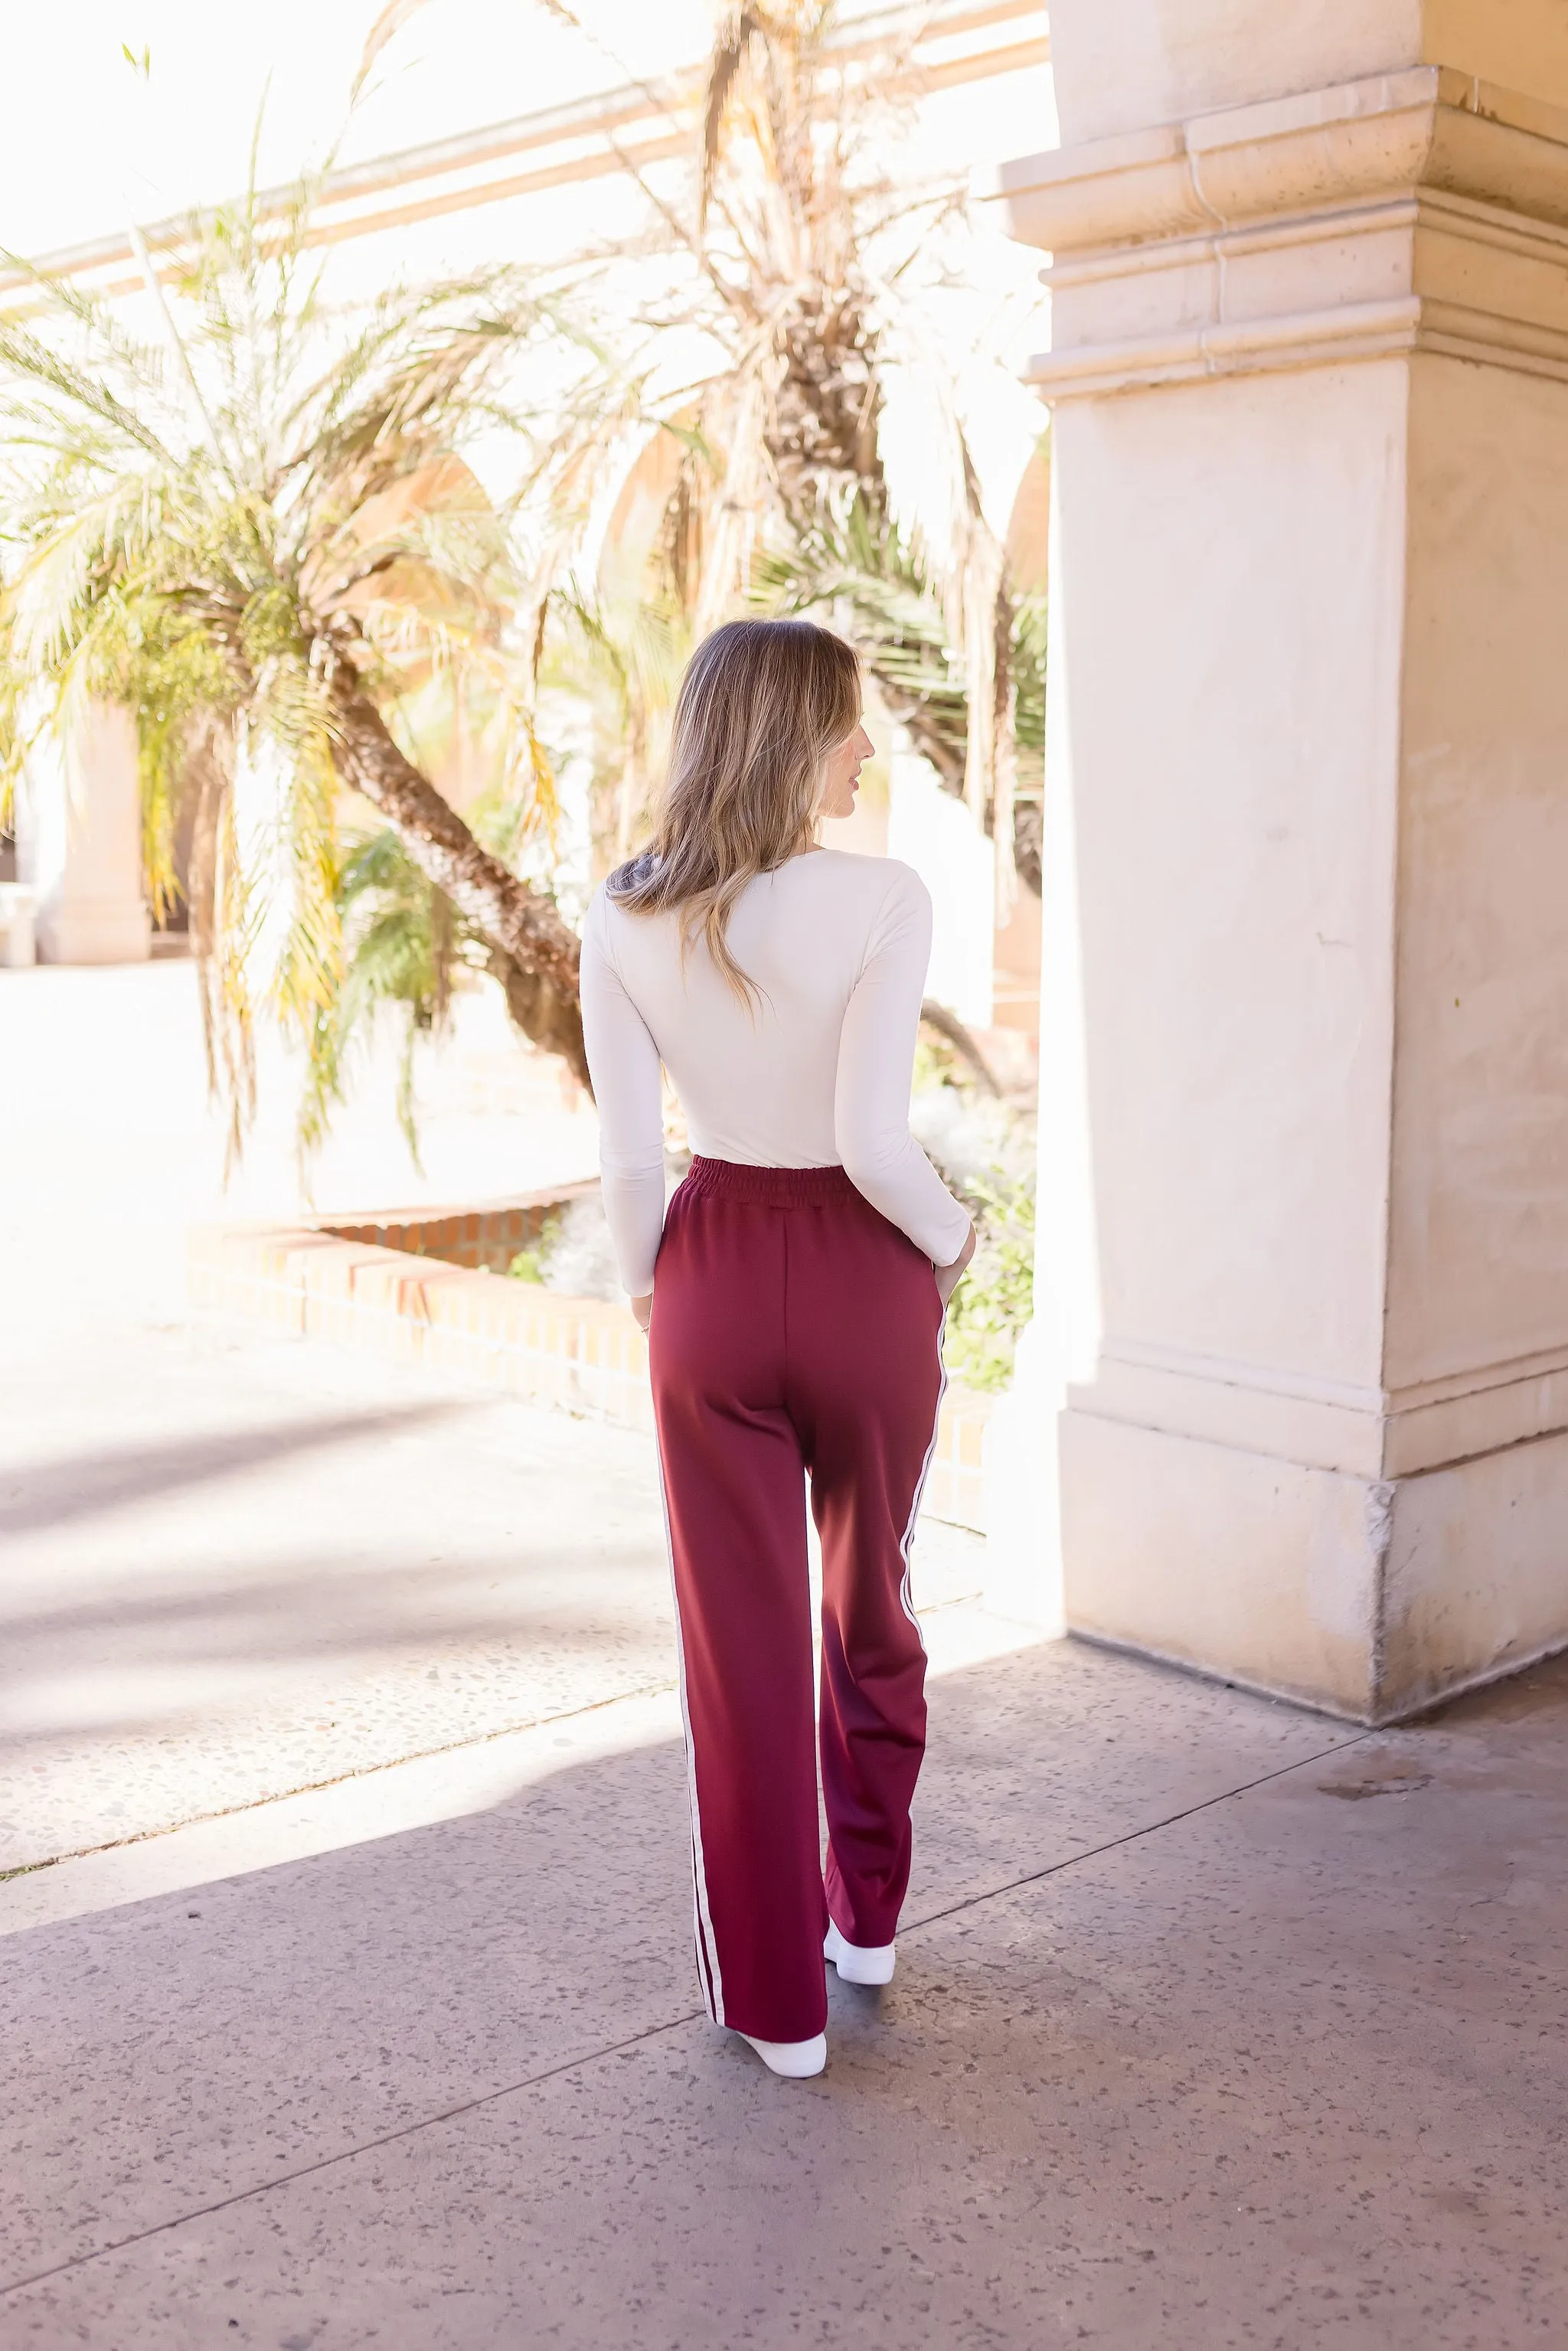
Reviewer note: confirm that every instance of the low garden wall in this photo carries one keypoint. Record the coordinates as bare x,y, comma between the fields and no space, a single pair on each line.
485,1240
429,1287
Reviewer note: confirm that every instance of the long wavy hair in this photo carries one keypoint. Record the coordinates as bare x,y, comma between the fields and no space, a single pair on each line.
762,705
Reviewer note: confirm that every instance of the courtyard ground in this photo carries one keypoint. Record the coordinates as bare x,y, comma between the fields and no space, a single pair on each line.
345,1985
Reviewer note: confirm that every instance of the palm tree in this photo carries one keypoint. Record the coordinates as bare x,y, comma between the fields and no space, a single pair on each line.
808,276
803,264
259,530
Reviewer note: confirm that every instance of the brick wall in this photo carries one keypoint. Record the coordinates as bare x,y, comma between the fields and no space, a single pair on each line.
343,1283
484,1238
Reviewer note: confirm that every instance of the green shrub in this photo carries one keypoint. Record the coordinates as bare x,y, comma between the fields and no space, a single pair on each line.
530,1263
996,1297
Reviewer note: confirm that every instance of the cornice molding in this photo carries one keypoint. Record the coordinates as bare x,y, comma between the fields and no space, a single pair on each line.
1417,211
1360,143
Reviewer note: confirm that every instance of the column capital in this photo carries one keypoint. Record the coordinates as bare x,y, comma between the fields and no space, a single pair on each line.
1422,210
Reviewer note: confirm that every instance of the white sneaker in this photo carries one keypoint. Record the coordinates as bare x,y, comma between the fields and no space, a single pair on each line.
796,2060
862,1963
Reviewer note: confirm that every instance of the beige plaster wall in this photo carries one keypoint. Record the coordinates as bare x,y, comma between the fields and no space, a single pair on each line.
1231,633
1125,64
1479,1240
1520,44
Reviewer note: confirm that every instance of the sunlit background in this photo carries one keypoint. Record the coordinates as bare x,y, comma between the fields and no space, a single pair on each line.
459,136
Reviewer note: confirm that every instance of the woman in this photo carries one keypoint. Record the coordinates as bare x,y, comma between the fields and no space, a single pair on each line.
793,1297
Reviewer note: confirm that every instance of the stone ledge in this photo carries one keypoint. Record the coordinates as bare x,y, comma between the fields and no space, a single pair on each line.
581,1354
1356,332
1400,1431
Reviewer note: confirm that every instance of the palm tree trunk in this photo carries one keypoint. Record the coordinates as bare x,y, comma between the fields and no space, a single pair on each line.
1029,829
533,952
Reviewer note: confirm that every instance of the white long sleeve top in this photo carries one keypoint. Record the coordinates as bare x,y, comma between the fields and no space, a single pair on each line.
816,1074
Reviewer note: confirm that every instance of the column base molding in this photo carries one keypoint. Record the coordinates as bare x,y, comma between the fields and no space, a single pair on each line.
1369,1598
94,930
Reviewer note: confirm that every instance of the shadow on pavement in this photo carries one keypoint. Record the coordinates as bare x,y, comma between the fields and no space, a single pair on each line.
1181,2052
84,1484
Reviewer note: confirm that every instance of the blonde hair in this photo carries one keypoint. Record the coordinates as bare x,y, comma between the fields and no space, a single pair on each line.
762,705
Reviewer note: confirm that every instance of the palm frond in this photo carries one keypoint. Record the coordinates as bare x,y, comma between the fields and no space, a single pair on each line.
269,544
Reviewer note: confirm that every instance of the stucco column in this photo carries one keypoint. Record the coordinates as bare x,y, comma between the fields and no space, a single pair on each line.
79,843
1304,1113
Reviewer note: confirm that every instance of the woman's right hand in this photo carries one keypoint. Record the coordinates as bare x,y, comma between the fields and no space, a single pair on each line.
642,1308
949,1277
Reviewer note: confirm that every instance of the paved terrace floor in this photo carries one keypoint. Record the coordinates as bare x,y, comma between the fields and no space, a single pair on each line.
353,2003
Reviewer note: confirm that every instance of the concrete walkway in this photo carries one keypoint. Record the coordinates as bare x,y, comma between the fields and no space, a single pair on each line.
1214,2025
353,2003
237,1567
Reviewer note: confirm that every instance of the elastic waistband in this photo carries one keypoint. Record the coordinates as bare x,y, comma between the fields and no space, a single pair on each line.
769,1188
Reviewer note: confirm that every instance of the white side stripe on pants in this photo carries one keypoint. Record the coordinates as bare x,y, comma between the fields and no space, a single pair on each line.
708,1968
906,1588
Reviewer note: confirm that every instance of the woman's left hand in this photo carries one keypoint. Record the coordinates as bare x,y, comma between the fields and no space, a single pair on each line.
642,1308
949,1277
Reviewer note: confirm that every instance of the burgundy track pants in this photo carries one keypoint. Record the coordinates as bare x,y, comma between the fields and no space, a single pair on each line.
794,1329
